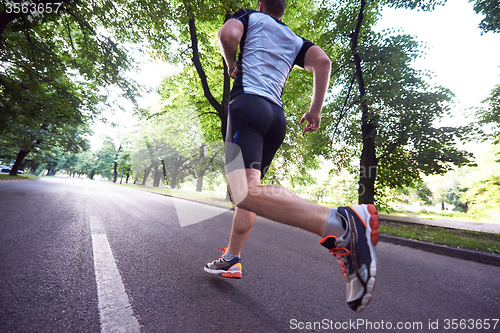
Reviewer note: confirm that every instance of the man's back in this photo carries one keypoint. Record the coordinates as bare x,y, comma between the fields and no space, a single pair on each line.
268,51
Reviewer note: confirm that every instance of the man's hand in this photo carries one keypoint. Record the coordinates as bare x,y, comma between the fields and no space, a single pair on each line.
233,69
317,62
313,121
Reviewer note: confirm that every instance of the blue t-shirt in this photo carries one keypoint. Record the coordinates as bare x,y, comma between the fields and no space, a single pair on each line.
268,51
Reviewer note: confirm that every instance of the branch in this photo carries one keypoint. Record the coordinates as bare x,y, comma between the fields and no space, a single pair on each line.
197,64
211,112
354,46
66,23
343,107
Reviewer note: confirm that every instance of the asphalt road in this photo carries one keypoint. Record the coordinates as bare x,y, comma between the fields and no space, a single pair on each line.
84,256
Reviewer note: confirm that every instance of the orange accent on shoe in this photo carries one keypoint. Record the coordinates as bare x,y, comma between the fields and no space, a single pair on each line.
350,206
221,250
324,239
236,275
373,223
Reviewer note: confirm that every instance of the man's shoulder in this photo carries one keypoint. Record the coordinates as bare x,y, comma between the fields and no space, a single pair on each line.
243,12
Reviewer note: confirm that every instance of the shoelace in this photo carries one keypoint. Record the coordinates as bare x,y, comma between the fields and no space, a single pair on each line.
221,250
340,254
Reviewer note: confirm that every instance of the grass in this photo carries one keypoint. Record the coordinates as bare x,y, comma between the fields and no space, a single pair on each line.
472,216
464,239
5,176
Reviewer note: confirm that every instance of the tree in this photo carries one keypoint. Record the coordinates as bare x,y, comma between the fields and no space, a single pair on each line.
124,165
174,141
489,114
50,118
54,63
394,104
104,159
491,10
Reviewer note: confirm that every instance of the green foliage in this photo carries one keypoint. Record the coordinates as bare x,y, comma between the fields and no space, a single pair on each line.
424,194
489,114
174,139
342,189
402,106
491,11
453,196
482,184
104,158
425,5
54,67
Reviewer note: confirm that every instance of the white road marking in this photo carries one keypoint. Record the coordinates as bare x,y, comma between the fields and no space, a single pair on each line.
114,306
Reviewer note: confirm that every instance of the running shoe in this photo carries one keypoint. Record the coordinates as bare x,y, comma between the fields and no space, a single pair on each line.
222,267
355,251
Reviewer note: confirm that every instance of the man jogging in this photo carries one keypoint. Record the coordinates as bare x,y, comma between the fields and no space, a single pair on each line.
268,50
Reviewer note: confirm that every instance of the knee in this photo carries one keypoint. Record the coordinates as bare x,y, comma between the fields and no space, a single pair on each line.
243,204
243,221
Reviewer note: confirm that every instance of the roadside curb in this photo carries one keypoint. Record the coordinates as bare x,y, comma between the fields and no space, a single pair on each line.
188,199
483,258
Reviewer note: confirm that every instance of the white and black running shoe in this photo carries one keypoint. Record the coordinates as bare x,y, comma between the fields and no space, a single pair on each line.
222,267
355,251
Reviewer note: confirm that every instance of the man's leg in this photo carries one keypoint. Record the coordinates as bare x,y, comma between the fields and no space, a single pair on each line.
242,225
243,219
355,248
275,202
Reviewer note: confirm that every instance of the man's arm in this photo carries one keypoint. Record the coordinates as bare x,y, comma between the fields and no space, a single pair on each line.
317,62
229,39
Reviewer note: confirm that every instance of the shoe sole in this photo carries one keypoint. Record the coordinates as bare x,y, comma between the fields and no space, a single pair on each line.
372,235
235,274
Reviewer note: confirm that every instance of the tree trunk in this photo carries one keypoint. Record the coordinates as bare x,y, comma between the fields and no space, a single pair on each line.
173,182
201,168
157,175
164,172
146,175
19,161
368,161
199,184
115,171
115,165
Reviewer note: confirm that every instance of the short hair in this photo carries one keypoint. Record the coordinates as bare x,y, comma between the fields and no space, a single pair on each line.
274,7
